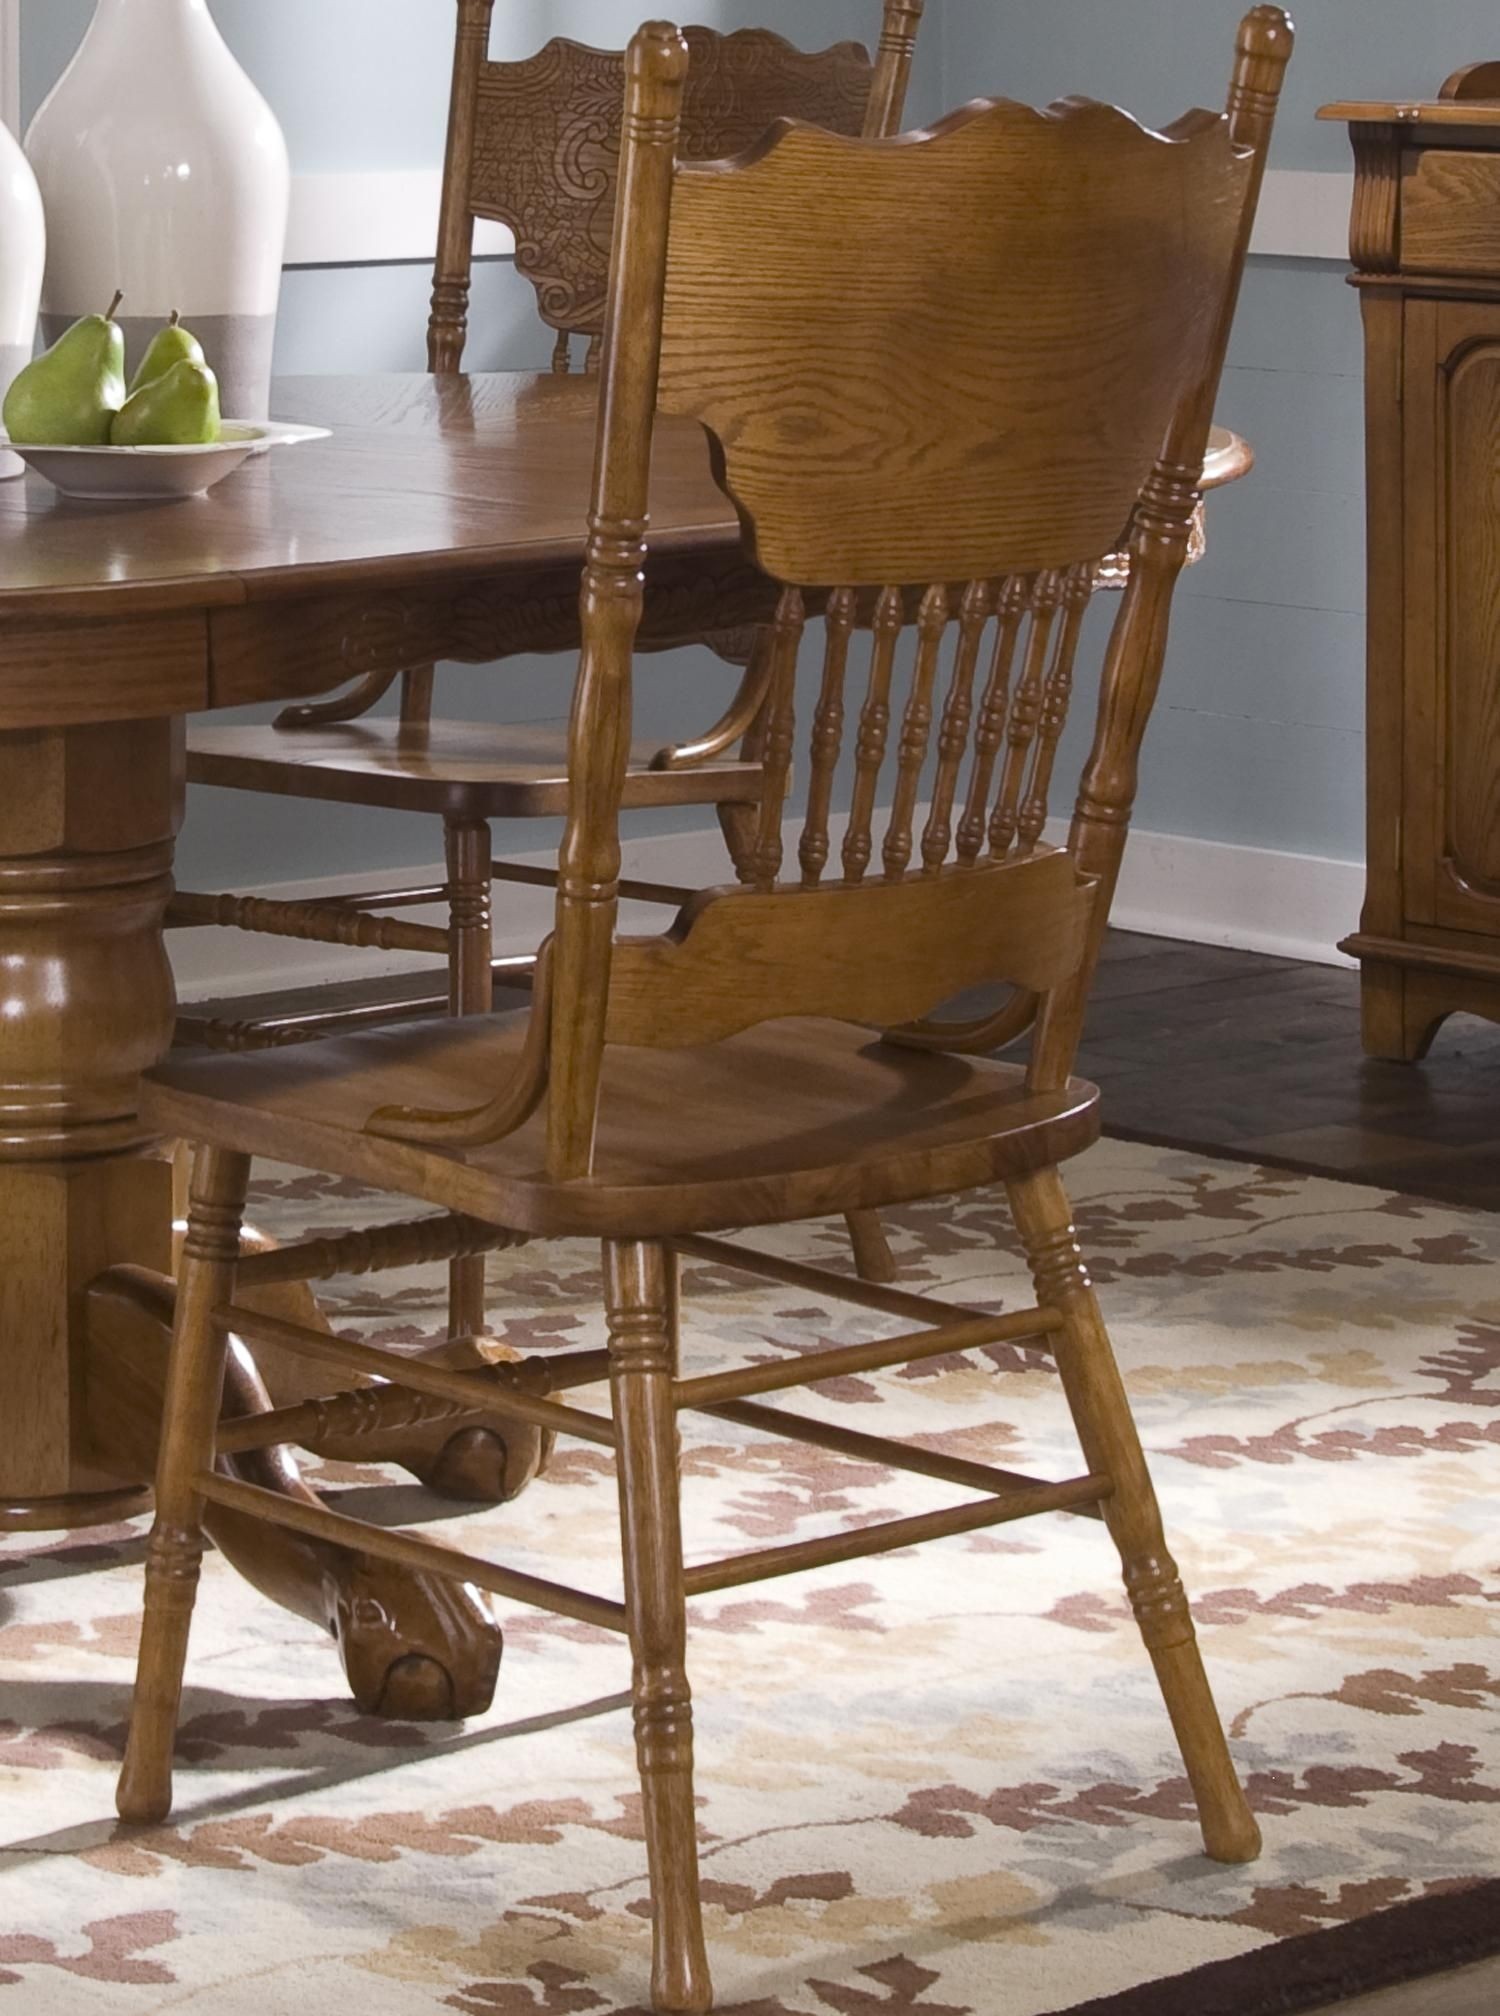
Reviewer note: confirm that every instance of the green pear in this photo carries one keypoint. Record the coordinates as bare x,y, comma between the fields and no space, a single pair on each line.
179,409
69,396
169,346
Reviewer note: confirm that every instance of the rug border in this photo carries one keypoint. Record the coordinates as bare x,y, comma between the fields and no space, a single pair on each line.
1318,1970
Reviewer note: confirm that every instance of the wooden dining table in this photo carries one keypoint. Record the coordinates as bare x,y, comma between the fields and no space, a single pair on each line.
443,518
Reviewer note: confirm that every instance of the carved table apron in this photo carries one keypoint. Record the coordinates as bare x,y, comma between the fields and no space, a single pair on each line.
443,519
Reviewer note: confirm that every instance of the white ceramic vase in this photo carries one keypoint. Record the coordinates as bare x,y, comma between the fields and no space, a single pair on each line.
164,173
23,254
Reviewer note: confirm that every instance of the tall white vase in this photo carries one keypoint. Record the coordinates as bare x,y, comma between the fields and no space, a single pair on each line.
23,254
164,173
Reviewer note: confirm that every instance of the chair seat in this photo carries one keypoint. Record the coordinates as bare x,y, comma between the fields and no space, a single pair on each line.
468,769
790,1120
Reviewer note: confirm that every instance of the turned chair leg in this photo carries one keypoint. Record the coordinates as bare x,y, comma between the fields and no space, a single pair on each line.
1106,1429
470,992
640,1301
195,1381
873,1258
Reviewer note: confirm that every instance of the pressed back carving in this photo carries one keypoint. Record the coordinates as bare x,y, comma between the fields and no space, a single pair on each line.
985,388
536,145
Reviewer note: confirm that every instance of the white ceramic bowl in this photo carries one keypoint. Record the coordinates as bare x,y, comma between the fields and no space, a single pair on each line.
142,475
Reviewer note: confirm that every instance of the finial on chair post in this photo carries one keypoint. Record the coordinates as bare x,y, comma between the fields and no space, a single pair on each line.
1263,48
658,54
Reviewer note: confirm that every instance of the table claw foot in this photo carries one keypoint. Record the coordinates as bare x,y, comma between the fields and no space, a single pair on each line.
447,1448
476,1462
471,1458
415,1647
483,1467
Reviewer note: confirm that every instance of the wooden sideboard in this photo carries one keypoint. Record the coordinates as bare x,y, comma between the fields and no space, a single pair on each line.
1425,242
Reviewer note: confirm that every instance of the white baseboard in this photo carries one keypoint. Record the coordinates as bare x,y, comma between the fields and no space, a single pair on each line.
1296,906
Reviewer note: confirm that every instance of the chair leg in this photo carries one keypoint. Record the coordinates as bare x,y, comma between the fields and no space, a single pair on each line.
195,1381
470,992
641,1306
873,1258
1111,1446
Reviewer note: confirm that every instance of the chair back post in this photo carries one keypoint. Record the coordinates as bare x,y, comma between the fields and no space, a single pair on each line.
1159,541
612,594
893,60
448,327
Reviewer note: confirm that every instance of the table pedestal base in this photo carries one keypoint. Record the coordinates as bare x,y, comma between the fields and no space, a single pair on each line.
82,1509
87,819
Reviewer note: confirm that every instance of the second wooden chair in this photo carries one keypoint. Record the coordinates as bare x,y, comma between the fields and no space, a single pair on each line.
534,145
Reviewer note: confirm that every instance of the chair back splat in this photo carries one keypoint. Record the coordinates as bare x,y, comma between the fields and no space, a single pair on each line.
937,444
535,145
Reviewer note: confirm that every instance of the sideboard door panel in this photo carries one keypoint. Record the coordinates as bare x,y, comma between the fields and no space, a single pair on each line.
1452,844
1425,241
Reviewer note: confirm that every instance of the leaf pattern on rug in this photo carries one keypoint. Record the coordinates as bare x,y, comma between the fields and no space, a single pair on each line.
946,1769
114,1949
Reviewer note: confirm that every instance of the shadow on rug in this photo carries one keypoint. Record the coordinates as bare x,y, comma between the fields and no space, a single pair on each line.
938,1785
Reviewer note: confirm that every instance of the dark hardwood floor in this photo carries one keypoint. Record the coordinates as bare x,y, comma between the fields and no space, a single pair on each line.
1236,1053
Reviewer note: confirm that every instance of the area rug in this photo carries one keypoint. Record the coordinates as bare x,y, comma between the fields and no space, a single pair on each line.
940,1784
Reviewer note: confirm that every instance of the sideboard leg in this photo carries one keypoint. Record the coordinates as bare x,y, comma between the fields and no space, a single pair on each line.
1392,1024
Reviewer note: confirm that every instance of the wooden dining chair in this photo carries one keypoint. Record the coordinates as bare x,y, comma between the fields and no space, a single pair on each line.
1063,284
534,145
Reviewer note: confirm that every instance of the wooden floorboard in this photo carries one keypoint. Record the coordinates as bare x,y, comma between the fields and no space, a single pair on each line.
1468,1991
1234,1053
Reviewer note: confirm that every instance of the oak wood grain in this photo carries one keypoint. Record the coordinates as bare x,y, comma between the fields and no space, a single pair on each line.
536,144
884,953
825,1119
464,769
439,478
1450,212
1001,471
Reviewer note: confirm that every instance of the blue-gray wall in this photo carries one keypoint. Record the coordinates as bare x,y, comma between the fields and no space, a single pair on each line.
1259,735
1259,738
